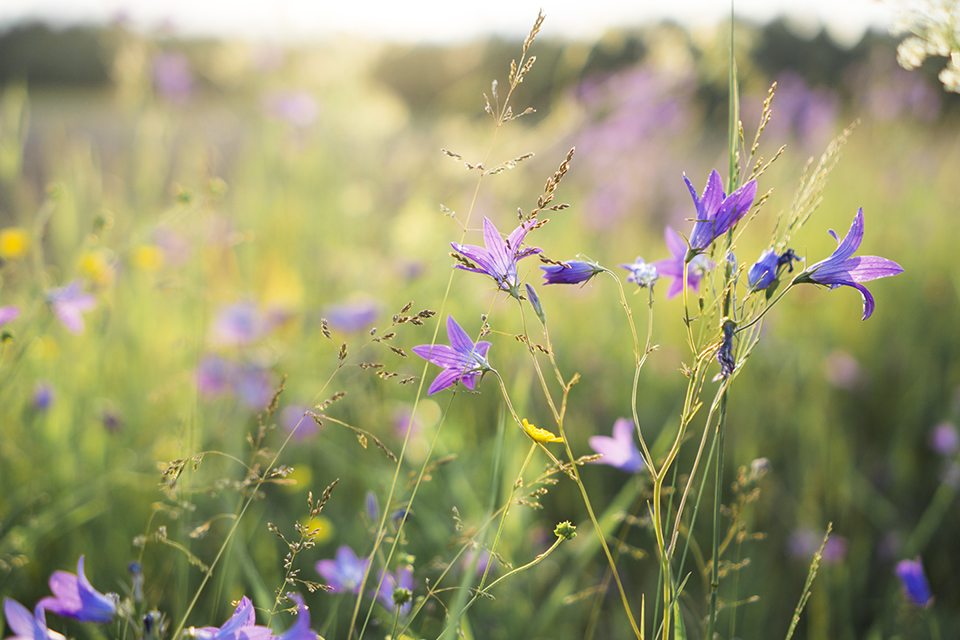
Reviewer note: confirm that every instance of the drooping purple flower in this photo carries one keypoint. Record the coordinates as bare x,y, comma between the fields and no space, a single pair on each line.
74,597
716,211
570,272
914,582
461,361
643,273
25,625
301,628
69,303
535,303
843,269
345,573
397,589
944,439
673,267
620,451
499,258
242,625
768,268
8,314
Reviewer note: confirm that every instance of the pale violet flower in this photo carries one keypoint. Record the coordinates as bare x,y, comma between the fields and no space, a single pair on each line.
620,451
461,361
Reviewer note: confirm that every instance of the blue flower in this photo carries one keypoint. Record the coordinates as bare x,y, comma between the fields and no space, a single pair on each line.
301,628
643,273
620,451
768,268
461,361
843,269
346,572
75,597
242,625
69,303
499,258
716,211
25,625
571,272
914,582
672,267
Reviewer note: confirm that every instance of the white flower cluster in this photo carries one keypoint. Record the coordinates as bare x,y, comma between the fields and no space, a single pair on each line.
935,25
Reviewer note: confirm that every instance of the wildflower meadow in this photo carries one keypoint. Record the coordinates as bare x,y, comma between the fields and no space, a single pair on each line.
648,337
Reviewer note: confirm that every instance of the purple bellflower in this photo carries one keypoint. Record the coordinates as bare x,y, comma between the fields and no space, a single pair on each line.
716,211
25,625
74,597
643,273
345,573
397,589
535,303
570,272
843,269
673,267
499,259
461,361
242,625
69,303
301,628
620,451
914,582
8,314
768,268
239,324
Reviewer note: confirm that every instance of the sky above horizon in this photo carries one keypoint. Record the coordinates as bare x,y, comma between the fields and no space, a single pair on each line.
439,20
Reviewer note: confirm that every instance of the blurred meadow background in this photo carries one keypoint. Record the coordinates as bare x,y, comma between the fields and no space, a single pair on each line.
215,198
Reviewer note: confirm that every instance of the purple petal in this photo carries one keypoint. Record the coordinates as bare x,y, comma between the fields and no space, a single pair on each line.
623,430
867,299
8,314
866,268
301,628
852,240
443,380
440,355
693,192
459,339
675,243
712,196
497,247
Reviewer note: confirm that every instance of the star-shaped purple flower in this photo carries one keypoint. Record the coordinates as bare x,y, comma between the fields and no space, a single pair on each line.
25,625
69,303
499,258
345,573
716,211
74,597
620,451
673,267
843,269
461,361
242,625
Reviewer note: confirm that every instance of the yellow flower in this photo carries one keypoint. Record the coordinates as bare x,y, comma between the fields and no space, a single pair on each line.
95,265
147,257
539,435
14,243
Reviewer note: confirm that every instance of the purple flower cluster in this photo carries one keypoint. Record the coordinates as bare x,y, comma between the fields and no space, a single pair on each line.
251,383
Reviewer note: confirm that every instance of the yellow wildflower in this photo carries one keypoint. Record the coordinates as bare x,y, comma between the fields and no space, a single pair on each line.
539,435
147,257
14,243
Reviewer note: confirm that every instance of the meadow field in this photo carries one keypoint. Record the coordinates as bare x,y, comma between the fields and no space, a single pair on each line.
227,277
